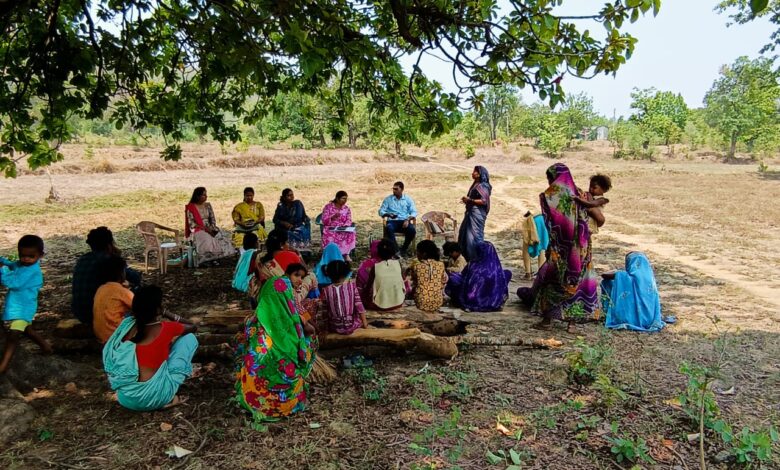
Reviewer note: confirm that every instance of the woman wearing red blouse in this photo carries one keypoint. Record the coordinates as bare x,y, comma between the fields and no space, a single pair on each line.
147,358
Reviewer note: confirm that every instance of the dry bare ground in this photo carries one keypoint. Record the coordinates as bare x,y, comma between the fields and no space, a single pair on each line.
710,230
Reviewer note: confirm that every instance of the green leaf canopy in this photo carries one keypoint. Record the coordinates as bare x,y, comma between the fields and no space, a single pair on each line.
217,63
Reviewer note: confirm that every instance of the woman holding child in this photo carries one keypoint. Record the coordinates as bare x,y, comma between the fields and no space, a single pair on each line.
566,285
200,225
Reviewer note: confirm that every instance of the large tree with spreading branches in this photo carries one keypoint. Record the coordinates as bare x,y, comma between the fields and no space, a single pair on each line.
216,64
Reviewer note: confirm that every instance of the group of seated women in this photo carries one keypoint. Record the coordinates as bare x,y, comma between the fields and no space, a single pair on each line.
248,216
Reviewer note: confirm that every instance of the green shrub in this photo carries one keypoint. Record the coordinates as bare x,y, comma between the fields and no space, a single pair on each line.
552,137
587,362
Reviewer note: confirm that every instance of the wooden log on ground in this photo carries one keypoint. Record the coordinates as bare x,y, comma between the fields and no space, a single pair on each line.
74,329
531,343
226,321
382,342
212,339
231,318
213,351
443,327
76,346
409,339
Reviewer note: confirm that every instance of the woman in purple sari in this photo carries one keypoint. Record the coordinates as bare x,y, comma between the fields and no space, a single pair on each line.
472,230
566,285
483,286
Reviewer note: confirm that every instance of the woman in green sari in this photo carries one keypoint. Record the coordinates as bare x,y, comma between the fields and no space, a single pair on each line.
273,356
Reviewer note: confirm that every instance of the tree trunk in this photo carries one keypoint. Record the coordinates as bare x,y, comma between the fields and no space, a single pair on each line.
322,139
397,148
351,136
493,126
733,149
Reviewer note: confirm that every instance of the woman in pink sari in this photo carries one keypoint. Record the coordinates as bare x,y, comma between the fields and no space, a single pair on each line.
200,226
566,286
336,218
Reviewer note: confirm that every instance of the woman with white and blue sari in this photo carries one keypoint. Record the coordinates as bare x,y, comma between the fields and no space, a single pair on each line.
472,230
630,298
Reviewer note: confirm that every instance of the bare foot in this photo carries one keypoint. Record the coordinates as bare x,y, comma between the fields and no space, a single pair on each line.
571,328
175,402
528,276
47,349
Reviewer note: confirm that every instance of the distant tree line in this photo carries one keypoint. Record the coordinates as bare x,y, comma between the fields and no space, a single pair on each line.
739,113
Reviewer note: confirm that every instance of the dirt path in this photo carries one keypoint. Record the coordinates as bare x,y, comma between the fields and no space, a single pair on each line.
721,271
762,291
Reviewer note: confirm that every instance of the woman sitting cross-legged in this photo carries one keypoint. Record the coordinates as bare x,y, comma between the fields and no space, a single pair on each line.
386,279
341,307
201,227
483,286
273,356
147,359
630,296
429,277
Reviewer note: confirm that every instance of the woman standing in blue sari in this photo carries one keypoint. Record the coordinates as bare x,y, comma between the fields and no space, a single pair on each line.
291,216
472,230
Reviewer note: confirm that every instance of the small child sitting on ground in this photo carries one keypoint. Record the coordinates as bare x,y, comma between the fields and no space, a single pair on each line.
113,300
307,307
594,199
455,261
429,277
341,302
23,279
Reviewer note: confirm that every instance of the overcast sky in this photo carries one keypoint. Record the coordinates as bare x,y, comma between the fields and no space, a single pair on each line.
680,50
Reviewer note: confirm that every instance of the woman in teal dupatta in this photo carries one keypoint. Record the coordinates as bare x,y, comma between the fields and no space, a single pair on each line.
630,297
121,362
273,356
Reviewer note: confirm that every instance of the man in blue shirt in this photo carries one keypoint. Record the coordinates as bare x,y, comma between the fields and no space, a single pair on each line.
401,214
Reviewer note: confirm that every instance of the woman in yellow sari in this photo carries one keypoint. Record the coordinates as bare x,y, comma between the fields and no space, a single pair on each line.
249,217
